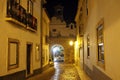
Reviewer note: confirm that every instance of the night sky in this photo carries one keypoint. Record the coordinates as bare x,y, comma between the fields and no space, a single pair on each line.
69,11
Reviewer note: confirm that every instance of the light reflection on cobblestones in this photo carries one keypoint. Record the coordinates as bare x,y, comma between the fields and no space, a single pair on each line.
65,72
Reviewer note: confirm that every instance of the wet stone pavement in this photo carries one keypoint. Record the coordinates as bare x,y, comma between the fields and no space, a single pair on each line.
65,71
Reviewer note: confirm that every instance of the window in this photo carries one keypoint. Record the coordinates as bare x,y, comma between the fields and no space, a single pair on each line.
86,7
13,53
13,8
71,26
79,30
88,46
54,30
31,20
100,42
16,11
18,14
81,13
30,7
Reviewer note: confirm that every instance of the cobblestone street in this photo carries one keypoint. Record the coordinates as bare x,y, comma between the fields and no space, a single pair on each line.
65,72
61,71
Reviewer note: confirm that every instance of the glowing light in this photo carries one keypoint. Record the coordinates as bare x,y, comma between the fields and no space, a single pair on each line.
71,43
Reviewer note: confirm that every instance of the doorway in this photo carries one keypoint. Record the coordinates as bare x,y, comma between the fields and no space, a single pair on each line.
28,58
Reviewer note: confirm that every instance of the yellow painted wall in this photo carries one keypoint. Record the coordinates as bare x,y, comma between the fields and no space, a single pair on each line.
79,53
109,11
11,30
61,28
45,32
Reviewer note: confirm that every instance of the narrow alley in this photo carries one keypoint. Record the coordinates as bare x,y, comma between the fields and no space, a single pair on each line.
59,39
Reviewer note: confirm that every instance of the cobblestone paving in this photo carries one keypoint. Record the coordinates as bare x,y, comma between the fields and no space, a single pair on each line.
65,72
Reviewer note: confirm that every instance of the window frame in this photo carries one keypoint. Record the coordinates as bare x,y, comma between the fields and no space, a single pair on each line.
11,42
88,46
30,7
100,44
87,8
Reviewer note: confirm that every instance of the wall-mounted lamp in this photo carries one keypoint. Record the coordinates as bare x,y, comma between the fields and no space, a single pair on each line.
71,43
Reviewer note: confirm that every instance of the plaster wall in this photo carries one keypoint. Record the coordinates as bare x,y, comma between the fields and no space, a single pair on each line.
15,31
61,27
45,34
107,10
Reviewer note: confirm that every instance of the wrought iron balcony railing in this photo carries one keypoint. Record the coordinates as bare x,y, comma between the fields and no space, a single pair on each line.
17,14
31,22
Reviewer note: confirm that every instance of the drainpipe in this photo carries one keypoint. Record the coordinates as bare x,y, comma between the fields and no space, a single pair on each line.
41,41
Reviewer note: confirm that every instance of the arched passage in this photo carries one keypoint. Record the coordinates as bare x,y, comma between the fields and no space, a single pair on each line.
57,53
68,50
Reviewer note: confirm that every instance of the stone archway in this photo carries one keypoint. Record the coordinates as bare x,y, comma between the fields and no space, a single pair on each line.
68,50
57,53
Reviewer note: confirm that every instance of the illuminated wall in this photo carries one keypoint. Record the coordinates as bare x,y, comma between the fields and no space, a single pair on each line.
16,30
45,35
61,29
108,12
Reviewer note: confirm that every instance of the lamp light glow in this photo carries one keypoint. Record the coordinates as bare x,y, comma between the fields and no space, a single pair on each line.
71,43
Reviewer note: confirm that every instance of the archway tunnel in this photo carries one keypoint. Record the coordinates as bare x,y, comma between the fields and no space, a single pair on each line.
57,53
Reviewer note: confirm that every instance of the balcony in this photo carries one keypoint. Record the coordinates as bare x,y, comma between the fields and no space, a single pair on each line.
18,15
31,22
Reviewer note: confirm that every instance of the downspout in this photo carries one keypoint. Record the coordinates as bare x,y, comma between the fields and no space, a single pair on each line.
41,41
